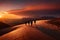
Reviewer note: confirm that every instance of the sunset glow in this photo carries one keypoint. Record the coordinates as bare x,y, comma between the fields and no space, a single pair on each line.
2,14
9,16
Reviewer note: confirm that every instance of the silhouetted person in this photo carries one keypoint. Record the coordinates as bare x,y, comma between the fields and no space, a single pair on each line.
31,23
35,21
28,22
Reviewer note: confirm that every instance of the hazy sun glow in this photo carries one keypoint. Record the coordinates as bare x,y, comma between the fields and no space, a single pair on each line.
7,15
2,14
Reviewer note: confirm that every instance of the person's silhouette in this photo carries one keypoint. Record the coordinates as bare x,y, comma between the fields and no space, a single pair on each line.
35,21
31,23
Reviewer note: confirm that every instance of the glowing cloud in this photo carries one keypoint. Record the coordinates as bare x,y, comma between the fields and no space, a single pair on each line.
37,7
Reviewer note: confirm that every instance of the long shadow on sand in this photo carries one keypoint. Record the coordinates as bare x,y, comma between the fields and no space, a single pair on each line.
53,33
6,30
